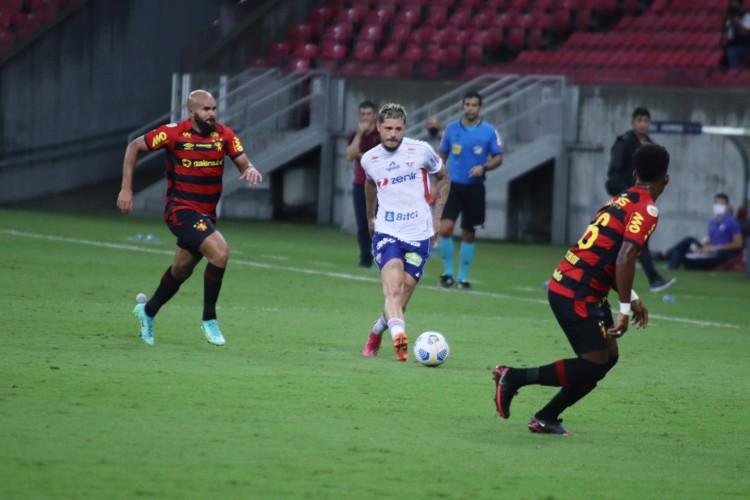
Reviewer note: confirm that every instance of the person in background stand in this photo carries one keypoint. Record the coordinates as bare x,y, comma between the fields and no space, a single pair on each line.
360,141
620,178
433,137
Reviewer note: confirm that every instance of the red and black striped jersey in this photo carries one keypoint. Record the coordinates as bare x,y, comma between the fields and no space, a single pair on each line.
195,164
587,271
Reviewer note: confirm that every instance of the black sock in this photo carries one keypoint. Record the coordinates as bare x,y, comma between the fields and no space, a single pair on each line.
562,372
212,278
168,286
569,395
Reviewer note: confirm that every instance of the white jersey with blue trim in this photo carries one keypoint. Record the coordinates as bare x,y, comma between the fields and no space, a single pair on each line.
401,177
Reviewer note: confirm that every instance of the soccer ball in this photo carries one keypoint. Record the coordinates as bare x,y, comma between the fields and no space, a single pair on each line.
431,349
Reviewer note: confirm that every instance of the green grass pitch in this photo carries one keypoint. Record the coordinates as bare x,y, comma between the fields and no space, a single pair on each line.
289,408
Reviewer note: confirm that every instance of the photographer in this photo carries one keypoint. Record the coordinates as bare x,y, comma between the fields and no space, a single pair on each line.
736,34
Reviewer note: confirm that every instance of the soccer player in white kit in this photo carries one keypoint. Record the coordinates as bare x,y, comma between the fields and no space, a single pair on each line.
400,220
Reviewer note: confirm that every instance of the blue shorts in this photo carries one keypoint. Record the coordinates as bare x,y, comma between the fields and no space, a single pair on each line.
413,254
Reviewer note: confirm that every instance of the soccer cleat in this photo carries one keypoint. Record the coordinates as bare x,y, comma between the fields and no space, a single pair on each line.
147,323
504,392
463,285
661,284
213,333
446,281
547,426
401,347
372,346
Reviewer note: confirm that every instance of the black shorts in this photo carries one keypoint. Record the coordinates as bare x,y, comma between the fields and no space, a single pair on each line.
468,201
191,229
585,334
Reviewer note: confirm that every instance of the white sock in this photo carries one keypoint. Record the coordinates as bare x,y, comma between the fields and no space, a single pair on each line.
379,326
396,326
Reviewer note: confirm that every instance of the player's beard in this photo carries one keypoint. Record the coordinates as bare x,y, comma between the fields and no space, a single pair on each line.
206,127
390,149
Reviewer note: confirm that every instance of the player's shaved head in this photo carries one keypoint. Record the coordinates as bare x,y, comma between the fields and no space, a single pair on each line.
198,97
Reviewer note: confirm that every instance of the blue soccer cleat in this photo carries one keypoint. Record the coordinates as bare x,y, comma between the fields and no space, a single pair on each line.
213,333
147,323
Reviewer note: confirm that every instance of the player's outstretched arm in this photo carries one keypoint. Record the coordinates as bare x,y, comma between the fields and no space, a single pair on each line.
125,198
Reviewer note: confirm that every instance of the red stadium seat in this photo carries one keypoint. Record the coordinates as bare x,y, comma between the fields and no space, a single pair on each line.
306,51
437,16
400,33
353,15
408,15
340,32
446,36
371,32
391,52
481,20
475,54
364,51
7,17
460,17
398,70
300,33
322,14
300,64
516,39
383,15
422,35
413,53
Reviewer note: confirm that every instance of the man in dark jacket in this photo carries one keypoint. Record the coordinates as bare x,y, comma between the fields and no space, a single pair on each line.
620,178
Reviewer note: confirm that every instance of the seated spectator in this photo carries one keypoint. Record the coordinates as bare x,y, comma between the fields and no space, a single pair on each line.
736,34
723,242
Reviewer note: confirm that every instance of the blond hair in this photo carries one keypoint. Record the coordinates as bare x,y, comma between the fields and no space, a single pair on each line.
392,111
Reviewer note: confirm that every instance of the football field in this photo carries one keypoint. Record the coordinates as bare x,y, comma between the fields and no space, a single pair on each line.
289,408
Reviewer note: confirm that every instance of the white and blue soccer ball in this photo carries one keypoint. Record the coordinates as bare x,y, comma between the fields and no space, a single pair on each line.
431,349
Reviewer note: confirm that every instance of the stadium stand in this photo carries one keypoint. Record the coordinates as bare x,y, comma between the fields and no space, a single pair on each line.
19,19
655,42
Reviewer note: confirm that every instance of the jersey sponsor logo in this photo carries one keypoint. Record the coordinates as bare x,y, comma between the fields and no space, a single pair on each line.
200,226
404,178
411,150
401,216
478,150
382,183
413,258
188,146
204,145
237,145
202,163
456,149
635,223
652,210
384,242
158,140
392,166
572,258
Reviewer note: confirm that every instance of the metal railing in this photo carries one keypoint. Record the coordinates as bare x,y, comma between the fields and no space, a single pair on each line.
523,108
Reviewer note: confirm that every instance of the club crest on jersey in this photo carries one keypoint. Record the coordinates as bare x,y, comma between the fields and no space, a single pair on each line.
478,150
200,226
652,210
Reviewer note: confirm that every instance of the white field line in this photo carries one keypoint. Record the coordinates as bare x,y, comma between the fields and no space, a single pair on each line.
346,276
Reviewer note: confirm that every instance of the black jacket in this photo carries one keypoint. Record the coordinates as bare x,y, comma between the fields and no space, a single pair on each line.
620,173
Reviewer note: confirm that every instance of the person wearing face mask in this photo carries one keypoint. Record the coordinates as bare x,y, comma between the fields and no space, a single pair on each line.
723,242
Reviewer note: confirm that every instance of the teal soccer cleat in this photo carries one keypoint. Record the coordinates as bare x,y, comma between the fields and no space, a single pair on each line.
213,333
147,323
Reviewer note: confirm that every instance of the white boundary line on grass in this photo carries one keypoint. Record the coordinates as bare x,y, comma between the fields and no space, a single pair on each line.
136,248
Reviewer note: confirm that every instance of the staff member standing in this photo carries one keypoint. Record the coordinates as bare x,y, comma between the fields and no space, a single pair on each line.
620,178
470,148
